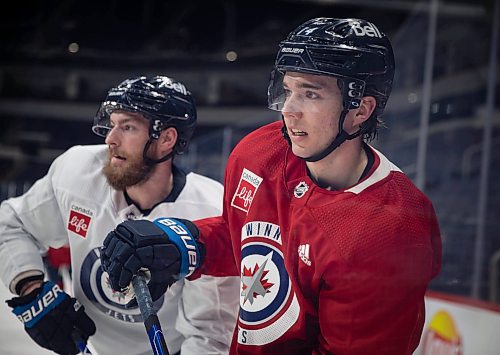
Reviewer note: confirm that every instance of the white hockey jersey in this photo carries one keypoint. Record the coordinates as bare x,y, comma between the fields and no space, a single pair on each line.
74,204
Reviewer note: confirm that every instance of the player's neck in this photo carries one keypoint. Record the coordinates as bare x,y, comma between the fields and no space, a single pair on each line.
155,189
340,169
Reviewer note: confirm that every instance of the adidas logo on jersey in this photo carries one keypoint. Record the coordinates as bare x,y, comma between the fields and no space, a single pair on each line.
304,254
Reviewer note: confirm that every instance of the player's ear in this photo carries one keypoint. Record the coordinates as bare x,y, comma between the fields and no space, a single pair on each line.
363,113
167,139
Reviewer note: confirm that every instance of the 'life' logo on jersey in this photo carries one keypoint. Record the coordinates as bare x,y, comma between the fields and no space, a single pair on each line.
79,220
247,188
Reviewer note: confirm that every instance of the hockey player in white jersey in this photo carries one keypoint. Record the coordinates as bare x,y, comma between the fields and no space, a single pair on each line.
87,191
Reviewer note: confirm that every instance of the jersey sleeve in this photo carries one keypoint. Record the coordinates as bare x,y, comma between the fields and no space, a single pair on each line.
207,314
377,301
383,310
29,224
219,257
208,308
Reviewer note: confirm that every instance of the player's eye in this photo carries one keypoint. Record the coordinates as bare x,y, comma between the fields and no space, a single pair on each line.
312,95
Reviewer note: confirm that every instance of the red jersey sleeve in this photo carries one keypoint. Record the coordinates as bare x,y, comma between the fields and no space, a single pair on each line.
219,258
372,296
380,308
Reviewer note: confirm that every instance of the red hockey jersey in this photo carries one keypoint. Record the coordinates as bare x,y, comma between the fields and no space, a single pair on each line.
340,272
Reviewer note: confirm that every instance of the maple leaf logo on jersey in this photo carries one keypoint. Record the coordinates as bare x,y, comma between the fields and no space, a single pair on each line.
255,282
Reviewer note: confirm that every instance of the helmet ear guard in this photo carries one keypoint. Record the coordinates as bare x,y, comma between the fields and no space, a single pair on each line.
352,92
155,128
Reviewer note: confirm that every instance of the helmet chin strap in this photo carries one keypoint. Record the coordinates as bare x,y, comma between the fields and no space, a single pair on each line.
150,161
341,137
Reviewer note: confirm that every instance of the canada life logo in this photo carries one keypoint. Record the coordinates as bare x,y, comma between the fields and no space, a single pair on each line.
79,220
246,190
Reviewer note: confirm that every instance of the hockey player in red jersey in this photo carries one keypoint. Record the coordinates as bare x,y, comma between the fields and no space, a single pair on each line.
334,245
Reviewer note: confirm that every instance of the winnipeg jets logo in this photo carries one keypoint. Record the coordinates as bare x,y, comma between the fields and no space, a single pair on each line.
268,304
301,189
254,282
96,286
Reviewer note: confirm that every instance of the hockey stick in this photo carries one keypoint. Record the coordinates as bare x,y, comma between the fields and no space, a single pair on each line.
80,343
151,321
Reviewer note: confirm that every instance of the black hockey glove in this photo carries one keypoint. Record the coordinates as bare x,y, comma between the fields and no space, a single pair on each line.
167,247
52,318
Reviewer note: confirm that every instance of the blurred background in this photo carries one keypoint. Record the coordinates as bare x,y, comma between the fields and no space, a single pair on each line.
59,58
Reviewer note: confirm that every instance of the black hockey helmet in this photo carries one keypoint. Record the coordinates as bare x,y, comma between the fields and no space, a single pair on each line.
354,51
164,101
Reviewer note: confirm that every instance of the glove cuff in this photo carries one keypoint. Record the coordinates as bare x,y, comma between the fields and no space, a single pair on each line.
46,297
180,235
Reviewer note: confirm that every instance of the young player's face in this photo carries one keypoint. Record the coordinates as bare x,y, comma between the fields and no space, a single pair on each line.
311,111
126,140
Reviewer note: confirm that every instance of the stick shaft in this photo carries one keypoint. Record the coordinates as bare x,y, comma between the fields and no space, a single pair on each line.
151,321
80,343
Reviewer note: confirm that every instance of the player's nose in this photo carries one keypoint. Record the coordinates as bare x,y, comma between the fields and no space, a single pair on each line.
112,138
291,108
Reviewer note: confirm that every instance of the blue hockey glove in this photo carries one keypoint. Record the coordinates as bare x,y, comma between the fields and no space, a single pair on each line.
167,247
51,318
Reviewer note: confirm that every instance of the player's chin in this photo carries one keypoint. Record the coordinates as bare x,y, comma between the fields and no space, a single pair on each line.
299,151
117,168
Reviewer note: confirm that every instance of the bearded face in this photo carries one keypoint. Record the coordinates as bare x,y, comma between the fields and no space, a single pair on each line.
125,170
